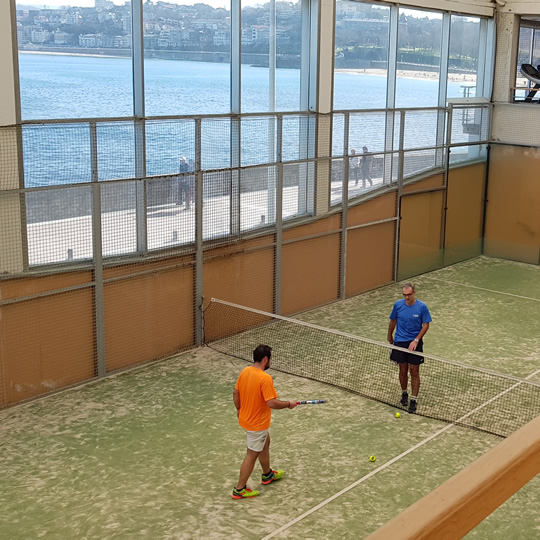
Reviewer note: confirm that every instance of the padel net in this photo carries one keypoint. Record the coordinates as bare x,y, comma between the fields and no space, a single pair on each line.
498,404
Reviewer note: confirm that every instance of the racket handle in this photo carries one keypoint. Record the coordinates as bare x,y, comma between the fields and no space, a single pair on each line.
311,402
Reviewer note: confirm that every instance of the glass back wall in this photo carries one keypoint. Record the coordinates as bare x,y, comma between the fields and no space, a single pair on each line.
361,55
528,53
75,62
187,58
463,57
418,58
271,43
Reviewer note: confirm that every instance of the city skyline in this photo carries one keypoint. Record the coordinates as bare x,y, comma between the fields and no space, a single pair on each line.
55,4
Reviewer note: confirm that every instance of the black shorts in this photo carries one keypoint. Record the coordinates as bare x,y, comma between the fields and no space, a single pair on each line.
405,356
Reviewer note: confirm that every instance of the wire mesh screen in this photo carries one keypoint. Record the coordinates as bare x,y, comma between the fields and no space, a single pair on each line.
424,129
219,143
150,216
367,130
298,141
258,197
416,162
259,138
470,124
166,143
59,227
56,154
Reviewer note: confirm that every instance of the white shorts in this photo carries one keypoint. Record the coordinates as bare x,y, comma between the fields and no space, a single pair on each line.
256,440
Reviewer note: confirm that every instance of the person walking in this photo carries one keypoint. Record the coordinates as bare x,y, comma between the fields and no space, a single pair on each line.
366,167
254,397
183,190
410,319
354,166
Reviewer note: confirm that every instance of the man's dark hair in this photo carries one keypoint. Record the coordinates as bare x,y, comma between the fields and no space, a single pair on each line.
260,352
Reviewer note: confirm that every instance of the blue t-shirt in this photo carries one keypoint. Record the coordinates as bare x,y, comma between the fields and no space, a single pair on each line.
409,319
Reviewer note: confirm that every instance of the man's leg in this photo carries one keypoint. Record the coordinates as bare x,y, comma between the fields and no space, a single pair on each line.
247,467
415,379
415,386
403,382
264,456
403,376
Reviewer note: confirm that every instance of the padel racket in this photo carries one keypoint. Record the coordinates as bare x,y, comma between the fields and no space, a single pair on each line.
311,402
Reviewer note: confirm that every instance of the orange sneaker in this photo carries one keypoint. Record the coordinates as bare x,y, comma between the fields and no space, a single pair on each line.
272,476
245,493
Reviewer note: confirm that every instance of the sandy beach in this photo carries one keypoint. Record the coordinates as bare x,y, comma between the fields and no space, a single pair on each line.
411,74
60,53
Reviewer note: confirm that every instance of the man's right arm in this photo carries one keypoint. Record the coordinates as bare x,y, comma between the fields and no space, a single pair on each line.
278,404
391,328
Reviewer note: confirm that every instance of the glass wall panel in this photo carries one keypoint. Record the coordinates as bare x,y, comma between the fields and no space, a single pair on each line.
220,201
336,185
116,150
528,53
59,227
361,55
420,129
470,124
187,58
75,62
257,197
298,137
419,58
463,57
216,143
298,190
167,142
56,154
271,47
259,139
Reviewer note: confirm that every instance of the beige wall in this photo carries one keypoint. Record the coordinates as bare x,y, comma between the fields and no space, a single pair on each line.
512,228
420,233
464,214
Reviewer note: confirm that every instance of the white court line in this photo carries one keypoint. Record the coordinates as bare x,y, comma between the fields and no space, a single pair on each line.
388,463
483,289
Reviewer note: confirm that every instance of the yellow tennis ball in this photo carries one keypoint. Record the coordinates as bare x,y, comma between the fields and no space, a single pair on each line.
372,458
398,415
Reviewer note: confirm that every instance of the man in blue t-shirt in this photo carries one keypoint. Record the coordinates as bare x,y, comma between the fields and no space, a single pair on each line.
410,318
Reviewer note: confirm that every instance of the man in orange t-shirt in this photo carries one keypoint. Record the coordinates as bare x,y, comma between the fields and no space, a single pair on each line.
254,397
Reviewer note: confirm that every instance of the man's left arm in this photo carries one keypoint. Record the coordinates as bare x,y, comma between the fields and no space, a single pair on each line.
421,334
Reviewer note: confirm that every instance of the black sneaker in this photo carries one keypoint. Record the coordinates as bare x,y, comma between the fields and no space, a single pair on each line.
404,399
412,406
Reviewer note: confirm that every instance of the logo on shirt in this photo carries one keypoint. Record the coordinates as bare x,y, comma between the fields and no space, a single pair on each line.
416,315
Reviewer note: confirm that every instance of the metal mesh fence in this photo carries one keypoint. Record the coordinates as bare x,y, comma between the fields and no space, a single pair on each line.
126,226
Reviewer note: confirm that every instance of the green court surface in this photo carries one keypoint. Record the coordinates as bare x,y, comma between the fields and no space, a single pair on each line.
155,452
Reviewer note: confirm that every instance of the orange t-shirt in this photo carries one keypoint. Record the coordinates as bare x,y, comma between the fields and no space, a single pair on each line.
256,387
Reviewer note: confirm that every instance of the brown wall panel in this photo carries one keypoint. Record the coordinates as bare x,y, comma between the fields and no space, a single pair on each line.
243,278
129,269
370,258
420,233
148,317
463,234
310,273
327,224
18,288
47,344
382,207
512,215
432,182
